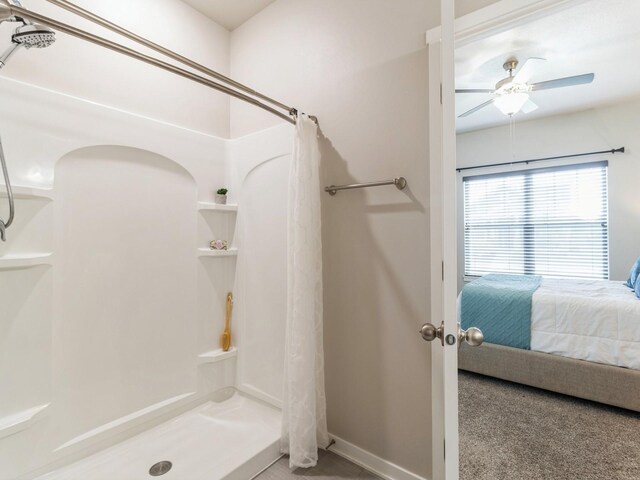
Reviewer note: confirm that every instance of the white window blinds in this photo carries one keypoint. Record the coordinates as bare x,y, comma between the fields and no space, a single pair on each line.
551,221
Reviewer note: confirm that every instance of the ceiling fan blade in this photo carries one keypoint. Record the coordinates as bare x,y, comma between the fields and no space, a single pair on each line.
529,107
475,109
527,70
563,82
474,90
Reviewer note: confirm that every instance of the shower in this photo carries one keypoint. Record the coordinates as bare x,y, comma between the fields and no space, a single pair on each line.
27,35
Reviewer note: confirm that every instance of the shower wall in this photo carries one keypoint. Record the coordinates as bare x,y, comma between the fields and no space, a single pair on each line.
125,277
78,68
112,304
260,169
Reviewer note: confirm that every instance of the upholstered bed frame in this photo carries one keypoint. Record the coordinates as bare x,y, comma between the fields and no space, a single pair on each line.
615,386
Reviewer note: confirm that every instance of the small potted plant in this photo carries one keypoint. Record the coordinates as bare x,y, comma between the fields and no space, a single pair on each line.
221,196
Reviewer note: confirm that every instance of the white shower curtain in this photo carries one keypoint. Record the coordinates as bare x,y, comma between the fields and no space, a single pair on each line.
304,419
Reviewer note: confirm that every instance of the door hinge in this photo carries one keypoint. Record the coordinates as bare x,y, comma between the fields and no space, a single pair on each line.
444,448
440,94
443,271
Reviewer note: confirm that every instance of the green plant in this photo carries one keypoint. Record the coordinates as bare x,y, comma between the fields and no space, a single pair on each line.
222,191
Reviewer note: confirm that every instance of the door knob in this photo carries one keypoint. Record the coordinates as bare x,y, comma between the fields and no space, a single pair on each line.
430,332
472,336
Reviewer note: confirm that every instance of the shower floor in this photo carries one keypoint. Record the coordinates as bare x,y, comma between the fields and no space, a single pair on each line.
230,440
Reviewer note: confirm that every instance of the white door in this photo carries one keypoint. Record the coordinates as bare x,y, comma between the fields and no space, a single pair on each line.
443,331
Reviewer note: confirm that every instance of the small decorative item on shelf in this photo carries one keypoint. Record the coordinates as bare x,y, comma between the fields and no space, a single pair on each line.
221,196
218,245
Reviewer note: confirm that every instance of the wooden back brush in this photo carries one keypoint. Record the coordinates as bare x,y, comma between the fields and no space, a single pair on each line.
225,338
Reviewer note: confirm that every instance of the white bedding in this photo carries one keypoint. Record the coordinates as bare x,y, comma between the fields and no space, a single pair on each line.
595,320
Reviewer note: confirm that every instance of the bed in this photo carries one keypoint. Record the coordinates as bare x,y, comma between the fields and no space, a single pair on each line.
577,337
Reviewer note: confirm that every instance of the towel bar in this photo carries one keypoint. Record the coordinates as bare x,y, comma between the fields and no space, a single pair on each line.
399,182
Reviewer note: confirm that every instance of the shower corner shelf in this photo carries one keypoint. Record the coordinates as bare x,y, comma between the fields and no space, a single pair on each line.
206,206
20,421
206,252
218,355
22,260
23,192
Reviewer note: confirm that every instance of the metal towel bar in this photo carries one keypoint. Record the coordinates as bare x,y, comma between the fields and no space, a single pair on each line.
399,182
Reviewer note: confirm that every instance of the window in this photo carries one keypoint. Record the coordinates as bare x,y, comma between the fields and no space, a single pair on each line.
551,221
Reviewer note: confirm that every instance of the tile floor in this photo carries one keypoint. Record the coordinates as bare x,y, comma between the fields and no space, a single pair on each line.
330,467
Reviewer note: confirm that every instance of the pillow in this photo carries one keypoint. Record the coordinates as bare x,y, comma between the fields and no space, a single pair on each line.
633,275
637,289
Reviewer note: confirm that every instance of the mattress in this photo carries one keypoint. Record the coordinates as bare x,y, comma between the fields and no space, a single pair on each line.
594,320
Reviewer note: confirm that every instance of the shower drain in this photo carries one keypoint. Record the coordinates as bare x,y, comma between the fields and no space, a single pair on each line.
160,468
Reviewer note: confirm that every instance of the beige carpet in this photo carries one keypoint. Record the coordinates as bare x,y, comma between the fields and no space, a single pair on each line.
512,432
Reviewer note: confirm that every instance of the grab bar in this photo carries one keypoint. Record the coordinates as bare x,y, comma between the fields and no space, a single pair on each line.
399,182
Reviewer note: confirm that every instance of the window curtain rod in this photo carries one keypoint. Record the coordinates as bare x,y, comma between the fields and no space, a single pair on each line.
534,160
19,11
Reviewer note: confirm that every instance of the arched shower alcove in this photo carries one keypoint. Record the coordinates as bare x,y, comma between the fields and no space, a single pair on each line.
125,322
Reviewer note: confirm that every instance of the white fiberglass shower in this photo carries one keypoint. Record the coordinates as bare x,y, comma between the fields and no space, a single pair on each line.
114,301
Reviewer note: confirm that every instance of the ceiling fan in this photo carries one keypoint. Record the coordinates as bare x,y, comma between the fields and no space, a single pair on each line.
512,93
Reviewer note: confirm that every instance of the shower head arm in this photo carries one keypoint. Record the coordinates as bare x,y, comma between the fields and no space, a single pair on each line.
12,18
7,15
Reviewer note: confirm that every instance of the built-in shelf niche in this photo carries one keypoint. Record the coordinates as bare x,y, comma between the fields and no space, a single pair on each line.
218,355
24,260
215,277
25,192
207,252
216,222
25,327
26,291
29,239
20,420
206,206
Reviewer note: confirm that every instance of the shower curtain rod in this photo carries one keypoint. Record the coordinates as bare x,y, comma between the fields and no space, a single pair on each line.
534,160
78,33
86,14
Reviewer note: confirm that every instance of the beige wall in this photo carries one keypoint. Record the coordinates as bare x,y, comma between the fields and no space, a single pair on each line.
361,67
590,130
77,68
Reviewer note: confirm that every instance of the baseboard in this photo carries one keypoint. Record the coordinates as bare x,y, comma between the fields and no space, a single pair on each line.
373,463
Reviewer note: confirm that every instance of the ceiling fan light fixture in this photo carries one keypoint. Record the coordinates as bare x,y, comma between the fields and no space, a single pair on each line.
511,103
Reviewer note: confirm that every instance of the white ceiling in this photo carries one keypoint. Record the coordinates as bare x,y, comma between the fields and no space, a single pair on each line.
229,13
599,36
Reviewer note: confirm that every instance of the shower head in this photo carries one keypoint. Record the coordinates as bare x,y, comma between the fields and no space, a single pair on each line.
33,35
28,36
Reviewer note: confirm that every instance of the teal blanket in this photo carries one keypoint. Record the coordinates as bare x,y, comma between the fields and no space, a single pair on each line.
500,306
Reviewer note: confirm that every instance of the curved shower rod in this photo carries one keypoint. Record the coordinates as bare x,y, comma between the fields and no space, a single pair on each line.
13,8
87,15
